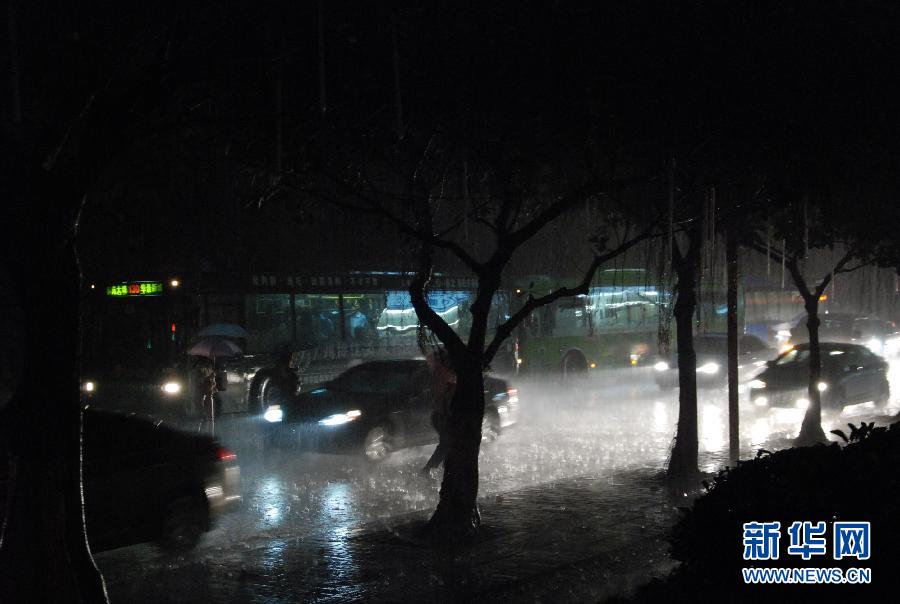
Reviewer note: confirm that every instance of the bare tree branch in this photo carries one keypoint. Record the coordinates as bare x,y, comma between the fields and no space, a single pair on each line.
505,329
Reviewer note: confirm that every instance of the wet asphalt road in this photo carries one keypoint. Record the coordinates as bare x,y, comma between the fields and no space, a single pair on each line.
620,423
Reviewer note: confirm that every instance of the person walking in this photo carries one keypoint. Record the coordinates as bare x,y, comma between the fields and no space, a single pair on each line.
443,387
206,371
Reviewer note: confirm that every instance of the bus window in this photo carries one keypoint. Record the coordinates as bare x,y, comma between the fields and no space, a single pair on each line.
268,321
318,318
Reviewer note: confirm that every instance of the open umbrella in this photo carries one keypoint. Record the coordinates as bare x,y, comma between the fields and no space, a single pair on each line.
229,330
214,346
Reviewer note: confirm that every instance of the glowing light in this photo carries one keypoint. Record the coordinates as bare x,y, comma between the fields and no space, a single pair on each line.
708,368
89,386
757,384
761,401
822,386
875,346
273,414
174,283
661,366
593,365
340,418
171,387
802,403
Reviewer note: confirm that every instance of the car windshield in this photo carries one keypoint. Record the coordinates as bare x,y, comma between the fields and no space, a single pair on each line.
375,378
795,355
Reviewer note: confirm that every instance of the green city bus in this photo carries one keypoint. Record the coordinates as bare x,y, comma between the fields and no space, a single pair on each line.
616,324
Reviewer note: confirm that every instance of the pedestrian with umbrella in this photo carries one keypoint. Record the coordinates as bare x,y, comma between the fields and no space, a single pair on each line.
207,349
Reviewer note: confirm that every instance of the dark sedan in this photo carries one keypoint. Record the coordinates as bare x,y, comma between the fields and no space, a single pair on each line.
878,335
146,482
851,374
378,407
712,361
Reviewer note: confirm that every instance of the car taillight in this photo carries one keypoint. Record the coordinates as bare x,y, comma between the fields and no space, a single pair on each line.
226,454
513,395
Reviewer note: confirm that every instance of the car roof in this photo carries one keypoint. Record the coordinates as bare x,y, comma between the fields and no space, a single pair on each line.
390,362
832,346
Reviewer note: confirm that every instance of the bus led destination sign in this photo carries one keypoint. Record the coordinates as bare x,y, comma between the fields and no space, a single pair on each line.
135,289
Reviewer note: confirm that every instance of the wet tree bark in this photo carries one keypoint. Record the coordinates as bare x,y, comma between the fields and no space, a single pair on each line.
457,513
44,555
811,431
683,468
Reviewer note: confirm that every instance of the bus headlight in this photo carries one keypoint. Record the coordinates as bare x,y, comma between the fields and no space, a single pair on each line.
171,388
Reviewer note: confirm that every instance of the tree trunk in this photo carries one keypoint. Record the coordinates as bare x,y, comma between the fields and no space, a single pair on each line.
44,555
457,513
811,432
683,469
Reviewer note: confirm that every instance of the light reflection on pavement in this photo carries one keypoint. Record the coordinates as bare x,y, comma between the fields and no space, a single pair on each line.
290,498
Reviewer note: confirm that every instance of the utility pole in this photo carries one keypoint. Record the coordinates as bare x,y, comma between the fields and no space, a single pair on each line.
731,267
323,106
14,86
398,99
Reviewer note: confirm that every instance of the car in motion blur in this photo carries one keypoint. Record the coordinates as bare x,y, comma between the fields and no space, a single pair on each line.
144,481
878,335
851,374
712,361
378,407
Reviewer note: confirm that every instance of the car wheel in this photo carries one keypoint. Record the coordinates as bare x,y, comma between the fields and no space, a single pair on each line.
185,521
490,426
377,444
574,368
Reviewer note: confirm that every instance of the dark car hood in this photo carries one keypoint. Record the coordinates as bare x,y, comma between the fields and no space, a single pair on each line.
322,402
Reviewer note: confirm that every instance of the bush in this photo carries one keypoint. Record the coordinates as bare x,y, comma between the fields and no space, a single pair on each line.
856,482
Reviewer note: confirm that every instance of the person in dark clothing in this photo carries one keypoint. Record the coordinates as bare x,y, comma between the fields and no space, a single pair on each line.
207,389
443,387
285,376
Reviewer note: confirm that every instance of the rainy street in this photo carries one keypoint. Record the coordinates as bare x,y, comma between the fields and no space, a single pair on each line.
619,422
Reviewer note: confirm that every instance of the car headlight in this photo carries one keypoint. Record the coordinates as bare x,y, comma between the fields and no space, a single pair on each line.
875,345
171,387
273,414
661,366
340,418
708,368
89,386
761,401
802,403
757,384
